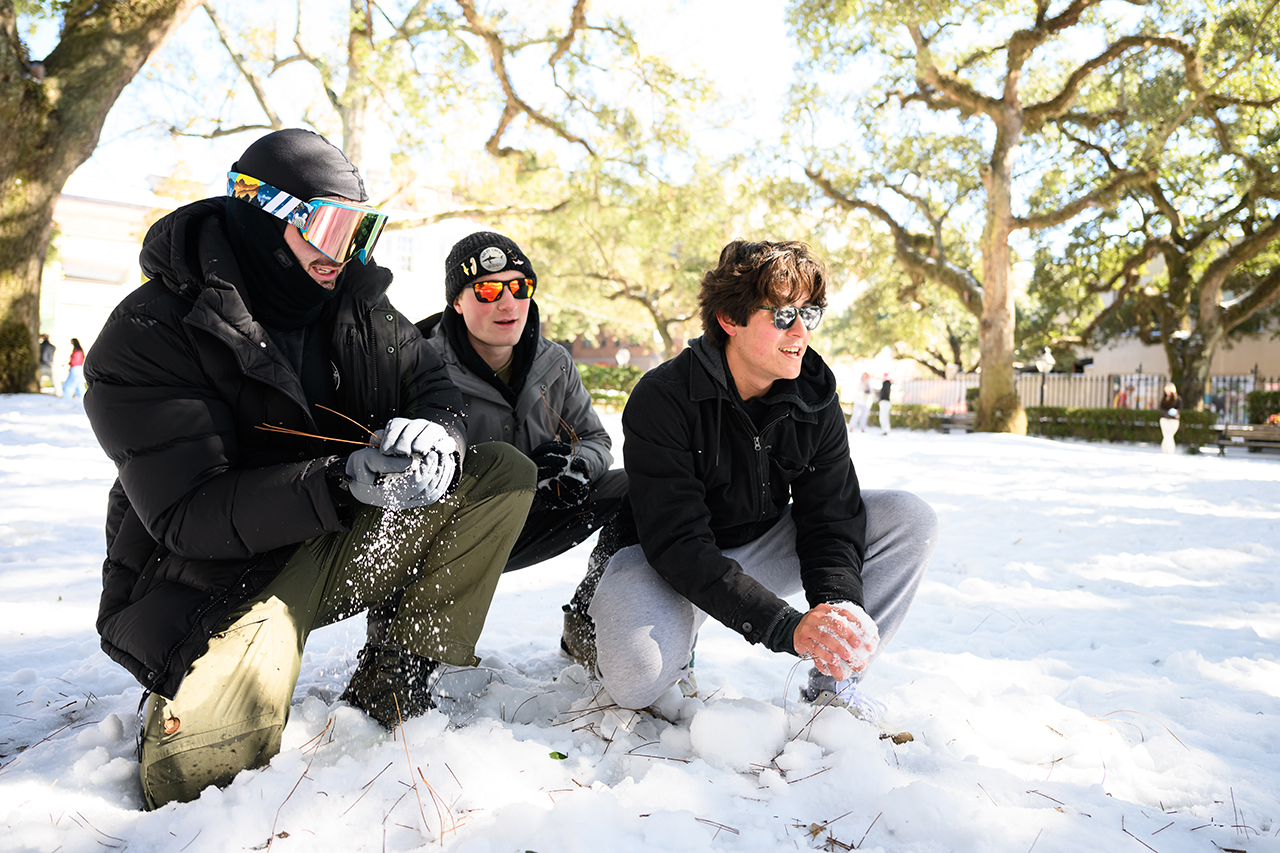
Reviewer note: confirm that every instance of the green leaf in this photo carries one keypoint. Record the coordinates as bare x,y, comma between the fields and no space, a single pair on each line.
559,756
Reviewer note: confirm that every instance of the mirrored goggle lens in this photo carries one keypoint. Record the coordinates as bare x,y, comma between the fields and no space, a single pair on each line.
491,291
785,317
343,232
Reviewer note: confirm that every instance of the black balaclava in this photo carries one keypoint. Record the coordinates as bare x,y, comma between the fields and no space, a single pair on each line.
280,293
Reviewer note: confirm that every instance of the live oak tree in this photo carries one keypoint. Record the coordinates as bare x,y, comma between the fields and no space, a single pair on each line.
1192,257
515,115
52,110
543,87
951,132
631,247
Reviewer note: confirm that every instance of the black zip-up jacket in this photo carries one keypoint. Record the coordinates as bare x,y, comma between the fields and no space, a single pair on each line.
703,479
207,507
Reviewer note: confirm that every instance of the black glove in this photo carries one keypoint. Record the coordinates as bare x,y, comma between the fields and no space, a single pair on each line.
562,476
551,457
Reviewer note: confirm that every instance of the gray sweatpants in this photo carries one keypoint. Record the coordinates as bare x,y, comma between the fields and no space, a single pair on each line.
645,630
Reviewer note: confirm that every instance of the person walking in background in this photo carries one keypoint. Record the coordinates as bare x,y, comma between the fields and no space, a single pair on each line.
1123,398
886,387
1170,411
74,384
862,404
47,350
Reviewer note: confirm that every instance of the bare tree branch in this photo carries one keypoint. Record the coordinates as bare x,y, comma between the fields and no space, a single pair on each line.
954,88
1216,274
481,212
955,278
577,21
1195,81
242,65
514,104
1057,106
1103,196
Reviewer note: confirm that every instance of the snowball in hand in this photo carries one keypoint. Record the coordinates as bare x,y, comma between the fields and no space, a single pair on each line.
853,658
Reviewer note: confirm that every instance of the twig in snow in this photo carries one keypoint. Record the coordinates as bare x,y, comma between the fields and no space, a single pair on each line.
1153,719
1136,838
718,826
405,739
868,832
367,786
438,801
1034,840
989,797
95,829
314,752
810,776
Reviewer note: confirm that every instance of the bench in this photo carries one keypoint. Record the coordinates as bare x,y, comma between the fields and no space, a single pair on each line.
962,421
1252,436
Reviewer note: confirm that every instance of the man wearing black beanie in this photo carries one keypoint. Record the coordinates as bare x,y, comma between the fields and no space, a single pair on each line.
525,390
290,452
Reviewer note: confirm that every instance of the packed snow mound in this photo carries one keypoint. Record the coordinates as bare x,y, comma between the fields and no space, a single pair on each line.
738,733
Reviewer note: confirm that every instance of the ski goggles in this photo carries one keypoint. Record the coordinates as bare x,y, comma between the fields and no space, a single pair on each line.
340,230
491,291
785,317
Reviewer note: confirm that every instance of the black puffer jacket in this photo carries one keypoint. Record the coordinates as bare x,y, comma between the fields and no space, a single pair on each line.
208,508
702,479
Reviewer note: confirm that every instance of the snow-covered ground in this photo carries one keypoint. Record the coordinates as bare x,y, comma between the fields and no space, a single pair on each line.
1093,663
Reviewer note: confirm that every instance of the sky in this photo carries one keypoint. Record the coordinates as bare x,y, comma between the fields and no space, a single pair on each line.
1092,664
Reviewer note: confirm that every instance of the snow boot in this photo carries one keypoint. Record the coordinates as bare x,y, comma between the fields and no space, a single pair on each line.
824,691
390,685
579,638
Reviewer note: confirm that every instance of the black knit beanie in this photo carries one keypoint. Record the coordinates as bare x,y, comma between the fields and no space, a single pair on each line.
478,255
303,164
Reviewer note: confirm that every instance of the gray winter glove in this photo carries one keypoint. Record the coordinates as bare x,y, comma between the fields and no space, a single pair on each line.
413,466
430,445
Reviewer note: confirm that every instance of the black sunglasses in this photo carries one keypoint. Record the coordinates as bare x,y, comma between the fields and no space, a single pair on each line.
785,317
491,291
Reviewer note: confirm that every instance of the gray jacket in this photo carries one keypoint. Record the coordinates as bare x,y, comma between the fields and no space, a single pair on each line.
553,405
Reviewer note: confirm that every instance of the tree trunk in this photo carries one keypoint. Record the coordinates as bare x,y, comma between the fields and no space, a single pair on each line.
52,113
999,409
354,108
1191,357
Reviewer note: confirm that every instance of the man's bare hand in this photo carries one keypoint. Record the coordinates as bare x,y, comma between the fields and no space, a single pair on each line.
839,638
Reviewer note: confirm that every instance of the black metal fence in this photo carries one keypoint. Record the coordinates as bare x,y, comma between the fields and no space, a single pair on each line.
1226,397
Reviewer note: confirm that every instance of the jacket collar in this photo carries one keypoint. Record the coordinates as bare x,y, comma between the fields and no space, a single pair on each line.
808,394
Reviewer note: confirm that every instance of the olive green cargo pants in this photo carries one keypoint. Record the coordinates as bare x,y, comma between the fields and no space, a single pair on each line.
441,563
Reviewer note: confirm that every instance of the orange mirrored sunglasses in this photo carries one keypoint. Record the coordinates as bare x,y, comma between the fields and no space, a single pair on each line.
491,291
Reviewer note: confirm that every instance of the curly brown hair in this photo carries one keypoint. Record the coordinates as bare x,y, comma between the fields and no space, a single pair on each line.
752,274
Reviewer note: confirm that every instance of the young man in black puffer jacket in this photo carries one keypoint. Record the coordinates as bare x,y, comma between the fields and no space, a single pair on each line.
247,513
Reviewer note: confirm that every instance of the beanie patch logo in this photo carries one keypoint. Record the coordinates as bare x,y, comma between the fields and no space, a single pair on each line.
493,259
469,266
